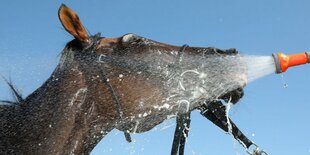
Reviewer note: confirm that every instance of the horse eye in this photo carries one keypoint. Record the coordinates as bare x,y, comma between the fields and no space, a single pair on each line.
129,37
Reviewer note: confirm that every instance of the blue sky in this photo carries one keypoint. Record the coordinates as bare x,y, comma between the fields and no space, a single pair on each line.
276,118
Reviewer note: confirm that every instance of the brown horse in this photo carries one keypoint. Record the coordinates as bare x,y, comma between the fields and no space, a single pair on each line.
129,83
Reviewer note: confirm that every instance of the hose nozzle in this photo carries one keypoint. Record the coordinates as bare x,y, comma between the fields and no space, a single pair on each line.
283,62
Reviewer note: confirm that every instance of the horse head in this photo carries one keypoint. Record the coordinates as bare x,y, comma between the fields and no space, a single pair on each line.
149,80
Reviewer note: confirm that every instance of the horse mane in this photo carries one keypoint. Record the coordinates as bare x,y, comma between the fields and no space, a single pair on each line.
65,56
17,96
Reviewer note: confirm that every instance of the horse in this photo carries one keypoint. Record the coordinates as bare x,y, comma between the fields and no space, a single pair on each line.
100,84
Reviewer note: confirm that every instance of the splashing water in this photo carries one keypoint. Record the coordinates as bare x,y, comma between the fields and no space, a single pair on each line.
227,109
214,76
228,106
192,78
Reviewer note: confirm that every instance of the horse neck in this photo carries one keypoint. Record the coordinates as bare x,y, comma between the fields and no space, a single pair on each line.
62,116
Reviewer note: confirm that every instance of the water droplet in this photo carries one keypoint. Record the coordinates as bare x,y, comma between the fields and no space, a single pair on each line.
285,85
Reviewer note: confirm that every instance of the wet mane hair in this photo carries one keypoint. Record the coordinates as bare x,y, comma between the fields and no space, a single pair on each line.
16,95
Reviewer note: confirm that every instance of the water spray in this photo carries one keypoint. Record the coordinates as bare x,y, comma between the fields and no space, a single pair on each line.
283,62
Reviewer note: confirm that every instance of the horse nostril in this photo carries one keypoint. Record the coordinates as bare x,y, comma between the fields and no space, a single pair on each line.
237,95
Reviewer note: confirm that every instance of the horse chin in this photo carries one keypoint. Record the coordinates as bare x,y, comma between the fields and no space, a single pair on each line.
142,124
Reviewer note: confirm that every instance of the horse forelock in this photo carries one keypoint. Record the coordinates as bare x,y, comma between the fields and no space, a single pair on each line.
76,47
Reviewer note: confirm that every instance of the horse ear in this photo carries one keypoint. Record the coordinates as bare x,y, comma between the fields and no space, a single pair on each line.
71,22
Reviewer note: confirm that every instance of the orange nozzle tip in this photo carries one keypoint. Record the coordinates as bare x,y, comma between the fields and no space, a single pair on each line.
278,58
283,62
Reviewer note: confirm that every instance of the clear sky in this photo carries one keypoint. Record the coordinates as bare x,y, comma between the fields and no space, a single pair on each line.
276,118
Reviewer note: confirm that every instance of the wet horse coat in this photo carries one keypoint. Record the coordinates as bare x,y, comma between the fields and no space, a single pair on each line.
99,84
